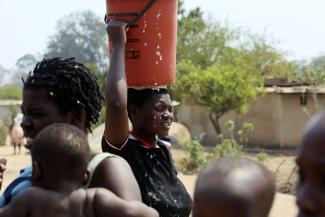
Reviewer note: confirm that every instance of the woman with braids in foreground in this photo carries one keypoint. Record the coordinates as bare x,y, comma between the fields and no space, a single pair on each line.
65,91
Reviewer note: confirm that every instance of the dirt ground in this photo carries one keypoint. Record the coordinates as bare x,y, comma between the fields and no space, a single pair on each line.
284,205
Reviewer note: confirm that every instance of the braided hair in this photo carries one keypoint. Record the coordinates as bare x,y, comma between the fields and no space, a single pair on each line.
70,84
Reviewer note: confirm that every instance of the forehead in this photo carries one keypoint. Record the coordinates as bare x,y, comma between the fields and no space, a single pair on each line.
207,204
36,98
162,97
313,147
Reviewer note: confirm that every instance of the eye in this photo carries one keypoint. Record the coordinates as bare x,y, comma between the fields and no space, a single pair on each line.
160,107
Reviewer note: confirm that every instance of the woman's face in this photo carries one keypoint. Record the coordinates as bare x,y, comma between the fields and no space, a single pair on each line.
40,111
311,185
155,116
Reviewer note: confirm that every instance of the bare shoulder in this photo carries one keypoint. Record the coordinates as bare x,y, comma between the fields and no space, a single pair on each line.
108,204
33,199
115,162
115,174
39,194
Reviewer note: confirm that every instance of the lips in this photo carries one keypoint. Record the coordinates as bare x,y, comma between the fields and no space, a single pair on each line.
166,125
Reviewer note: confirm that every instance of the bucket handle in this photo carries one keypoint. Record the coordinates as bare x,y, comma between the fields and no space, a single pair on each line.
132,23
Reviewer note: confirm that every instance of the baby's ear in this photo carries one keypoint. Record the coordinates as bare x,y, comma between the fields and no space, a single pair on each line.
78,118
86,178
36,172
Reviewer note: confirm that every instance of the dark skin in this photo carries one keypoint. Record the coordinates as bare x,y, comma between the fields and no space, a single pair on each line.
40,111
311,163
151,119
3,163
208,205
94,202
244,191
67,199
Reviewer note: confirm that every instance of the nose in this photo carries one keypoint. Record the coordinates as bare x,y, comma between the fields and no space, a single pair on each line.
306,199
26,122
168,115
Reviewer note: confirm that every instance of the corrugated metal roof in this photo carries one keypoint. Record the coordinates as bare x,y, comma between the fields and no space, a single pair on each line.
297,89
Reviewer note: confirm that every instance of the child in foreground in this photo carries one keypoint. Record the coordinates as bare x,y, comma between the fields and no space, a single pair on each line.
60,155
311,163
233,187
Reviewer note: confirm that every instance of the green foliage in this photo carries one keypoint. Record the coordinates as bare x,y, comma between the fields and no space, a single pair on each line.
219,88
200,41
3,133
102,116
243,133
312,72
261,157
197,156
221,67
234,145
264,58
100,75
81,35
10,92
228,147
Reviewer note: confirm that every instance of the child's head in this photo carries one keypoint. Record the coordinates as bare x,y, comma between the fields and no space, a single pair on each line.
233,187
150,110
60,154
311,163
60,90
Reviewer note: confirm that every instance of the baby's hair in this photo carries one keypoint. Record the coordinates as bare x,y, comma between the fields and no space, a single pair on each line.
70,84
238,177
63,149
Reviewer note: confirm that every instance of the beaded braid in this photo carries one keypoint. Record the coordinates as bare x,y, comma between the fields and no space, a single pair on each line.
70,84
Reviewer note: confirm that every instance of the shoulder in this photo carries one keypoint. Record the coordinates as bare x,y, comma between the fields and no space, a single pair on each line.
98,159
108,204
33,194
113,164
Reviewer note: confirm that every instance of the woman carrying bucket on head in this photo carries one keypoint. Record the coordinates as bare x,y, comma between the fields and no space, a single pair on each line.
150,112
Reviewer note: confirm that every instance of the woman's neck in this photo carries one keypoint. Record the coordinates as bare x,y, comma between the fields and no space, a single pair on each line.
151,139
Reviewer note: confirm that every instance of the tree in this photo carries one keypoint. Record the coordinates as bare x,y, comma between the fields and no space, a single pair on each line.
81,35
219,88
221,67
311,72
267,61
200,41
24,65
9,91
26,62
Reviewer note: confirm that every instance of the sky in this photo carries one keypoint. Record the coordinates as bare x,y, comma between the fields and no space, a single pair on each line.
296,25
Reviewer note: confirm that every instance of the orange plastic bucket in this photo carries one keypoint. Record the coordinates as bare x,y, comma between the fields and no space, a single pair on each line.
150,52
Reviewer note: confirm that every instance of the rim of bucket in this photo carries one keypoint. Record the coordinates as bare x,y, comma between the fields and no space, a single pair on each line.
138,15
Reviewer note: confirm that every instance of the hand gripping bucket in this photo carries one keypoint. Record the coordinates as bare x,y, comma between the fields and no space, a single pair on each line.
150,51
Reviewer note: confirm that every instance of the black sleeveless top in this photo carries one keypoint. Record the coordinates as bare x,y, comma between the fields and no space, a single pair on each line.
156,175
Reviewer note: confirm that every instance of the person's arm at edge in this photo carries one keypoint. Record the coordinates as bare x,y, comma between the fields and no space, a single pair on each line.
107,204
116,124
3,163
115,174
20,205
